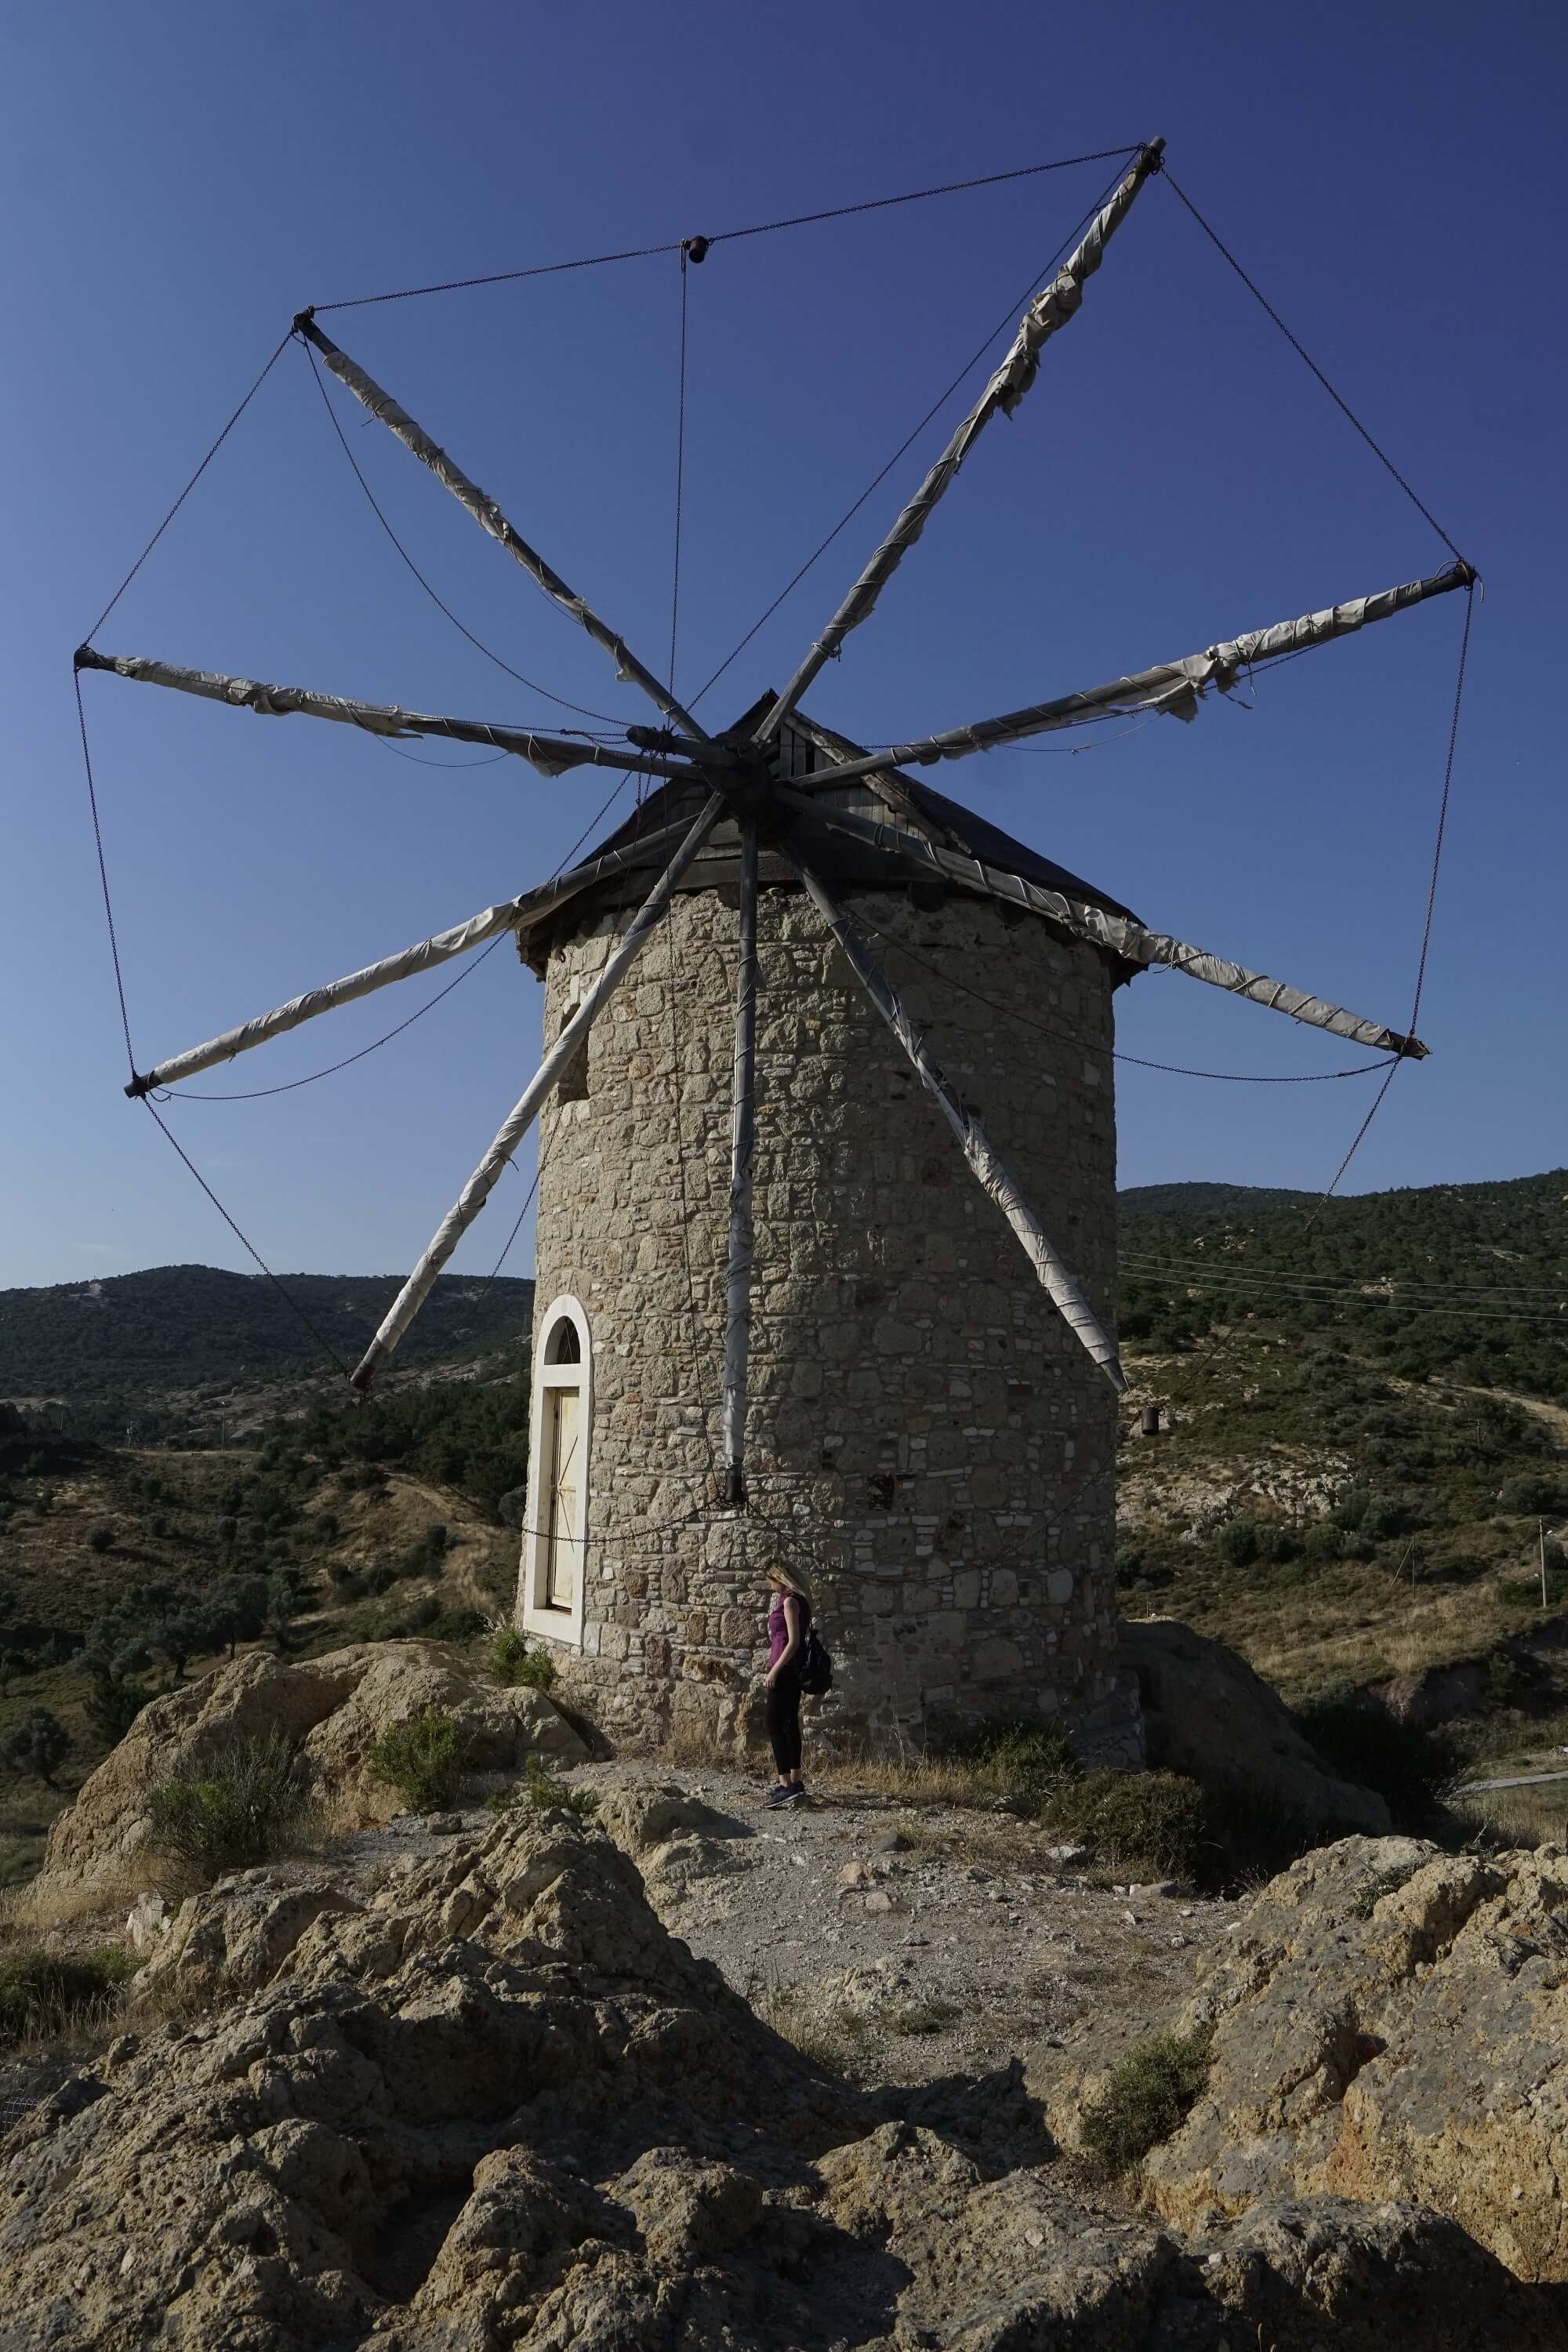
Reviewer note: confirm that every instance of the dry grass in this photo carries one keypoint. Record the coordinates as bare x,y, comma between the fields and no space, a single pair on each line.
827,2034
42,1908
1518,1817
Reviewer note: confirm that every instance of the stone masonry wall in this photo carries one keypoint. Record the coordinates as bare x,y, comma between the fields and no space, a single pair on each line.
926,1441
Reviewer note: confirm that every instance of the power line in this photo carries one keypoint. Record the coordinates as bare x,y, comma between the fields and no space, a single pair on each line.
1345,408
937,405
1011,1013
726,235
258,1094
103,871
1360,1135
284,1293
461,626
186,493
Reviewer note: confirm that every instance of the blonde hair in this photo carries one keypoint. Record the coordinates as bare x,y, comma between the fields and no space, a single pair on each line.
788,1581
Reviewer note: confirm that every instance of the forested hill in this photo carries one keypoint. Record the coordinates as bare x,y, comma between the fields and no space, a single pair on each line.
1468,1279
179,1328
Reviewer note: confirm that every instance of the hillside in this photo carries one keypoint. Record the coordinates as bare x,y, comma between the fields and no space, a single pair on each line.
1470,1280
135,1342
1364,1430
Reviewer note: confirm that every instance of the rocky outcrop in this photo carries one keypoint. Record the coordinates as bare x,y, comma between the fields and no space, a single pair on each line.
334,1708
673,1837
499,2108
1438,1693
1391,2021
1206,1714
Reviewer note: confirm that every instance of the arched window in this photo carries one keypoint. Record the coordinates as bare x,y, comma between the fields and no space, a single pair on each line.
563,1346
555,1543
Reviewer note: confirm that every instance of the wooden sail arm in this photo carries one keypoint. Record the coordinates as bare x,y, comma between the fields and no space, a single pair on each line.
510,1134
551,754
986,1163
1049,312
743,1143
489,517
425,955
1118,932
1174,686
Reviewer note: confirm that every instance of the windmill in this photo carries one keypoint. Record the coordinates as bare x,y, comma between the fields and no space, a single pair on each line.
769,817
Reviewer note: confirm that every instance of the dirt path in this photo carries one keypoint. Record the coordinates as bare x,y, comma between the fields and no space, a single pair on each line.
909,1944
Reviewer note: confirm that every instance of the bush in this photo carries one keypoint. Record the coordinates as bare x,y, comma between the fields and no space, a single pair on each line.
101,1539
1529,1493
1238,1542
513,1662
1152,2089
39,1744
114,1703
455,1625
423,1759
249,1805
48,1993
1407,1763
1150,1824
540,1792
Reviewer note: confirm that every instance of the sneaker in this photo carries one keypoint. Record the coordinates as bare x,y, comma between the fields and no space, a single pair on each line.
792,1797
778,1795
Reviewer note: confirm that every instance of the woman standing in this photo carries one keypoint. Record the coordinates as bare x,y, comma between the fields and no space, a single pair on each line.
788,1619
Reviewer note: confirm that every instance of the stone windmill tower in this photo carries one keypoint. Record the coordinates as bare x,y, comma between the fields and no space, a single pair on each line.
783,1102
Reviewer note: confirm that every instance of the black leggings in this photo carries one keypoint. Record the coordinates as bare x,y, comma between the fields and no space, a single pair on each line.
783,1716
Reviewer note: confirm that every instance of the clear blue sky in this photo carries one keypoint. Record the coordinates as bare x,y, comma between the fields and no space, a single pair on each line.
180,179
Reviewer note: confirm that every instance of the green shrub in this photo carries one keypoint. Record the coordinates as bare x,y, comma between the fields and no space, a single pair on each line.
1529,1493
248,1804
39,1744
1150,1824
422,1759
49,1993
544,1794
113,1705
1237,1542
1408,1764
1152,2089
101,1539
513,1662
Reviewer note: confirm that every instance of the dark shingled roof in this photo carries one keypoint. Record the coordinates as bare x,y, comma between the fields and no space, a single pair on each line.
893,798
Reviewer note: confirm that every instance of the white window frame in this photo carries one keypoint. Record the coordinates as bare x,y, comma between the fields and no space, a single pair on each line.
546,1623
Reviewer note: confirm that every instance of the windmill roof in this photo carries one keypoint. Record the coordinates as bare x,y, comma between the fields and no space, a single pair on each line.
892,798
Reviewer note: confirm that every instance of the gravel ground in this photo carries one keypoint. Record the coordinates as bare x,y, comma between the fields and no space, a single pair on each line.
900,1943
909,1943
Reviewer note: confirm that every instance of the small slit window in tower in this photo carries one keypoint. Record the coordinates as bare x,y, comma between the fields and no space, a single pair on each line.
572,1084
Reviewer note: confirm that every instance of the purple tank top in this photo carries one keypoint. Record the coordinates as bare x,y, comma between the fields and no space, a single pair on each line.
778,1625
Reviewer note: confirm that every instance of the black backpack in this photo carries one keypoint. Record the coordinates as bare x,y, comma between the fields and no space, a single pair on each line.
815,1665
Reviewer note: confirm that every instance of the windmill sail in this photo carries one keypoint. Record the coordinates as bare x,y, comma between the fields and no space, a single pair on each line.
515,1126
1174,686
425,955
551,754
1046,316
986,1163
1118,932
489,517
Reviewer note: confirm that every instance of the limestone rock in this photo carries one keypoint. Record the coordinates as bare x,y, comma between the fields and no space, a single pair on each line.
1206,1713
335,1707
674,1838
1391,2021
234,1937
501,2109
1438,1693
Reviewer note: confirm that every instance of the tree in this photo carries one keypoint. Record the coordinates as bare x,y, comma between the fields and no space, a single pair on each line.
282,1606
39,1744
